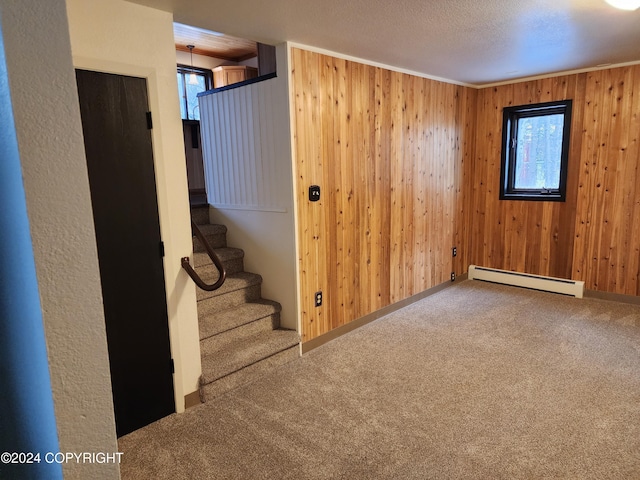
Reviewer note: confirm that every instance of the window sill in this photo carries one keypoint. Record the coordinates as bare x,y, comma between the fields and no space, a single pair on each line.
535,197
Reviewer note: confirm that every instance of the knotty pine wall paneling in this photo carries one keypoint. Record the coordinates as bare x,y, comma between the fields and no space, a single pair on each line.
410,167
525,236
388,151
607,244
465,145
595,235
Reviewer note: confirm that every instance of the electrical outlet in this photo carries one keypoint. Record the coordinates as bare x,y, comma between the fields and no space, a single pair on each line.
453,276
318,299
454,251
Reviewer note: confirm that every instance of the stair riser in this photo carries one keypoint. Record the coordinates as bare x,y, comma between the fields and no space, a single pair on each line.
244,344
214,322
200,216
215,302
238,355
217,342
247,374
218,240
234,265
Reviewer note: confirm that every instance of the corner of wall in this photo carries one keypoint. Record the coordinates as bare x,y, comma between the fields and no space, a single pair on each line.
62,233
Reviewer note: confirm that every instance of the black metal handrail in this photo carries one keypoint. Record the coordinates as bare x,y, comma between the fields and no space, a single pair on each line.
214,258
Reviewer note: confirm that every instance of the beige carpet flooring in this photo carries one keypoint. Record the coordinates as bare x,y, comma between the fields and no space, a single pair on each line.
479,381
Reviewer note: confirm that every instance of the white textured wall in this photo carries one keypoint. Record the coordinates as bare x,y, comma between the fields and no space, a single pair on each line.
49,132
247,151
119,37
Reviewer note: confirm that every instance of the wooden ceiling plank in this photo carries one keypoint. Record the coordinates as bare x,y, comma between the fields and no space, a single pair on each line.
213,44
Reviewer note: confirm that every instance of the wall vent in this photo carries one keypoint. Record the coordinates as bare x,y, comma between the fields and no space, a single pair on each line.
536,282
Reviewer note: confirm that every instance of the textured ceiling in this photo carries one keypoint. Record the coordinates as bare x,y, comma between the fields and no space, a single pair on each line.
464,41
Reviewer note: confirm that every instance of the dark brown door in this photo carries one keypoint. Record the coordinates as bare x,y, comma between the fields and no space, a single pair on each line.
125,210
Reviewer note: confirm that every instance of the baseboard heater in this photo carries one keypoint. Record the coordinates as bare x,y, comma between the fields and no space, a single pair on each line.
536,282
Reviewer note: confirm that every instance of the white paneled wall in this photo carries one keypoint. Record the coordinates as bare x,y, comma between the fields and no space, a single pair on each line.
246,140
247,137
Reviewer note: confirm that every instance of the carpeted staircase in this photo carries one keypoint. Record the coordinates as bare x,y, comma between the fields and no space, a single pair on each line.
240,338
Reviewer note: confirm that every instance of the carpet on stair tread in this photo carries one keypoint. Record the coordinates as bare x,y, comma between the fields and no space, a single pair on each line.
246,330
214,321
225,254
247,374
233,283
240,354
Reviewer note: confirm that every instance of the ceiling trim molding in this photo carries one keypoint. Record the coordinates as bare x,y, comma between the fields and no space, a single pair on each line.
557,74
364,61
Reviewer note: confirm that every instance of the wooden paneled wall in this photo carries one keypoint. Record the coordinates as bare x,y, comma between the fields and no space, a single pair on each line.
595,235
523,236
606,253
388,151
409,167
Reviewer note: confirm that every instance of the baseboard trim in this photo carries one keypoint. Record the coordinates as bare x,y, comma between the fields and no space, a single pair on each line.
192,399
613,297
353,325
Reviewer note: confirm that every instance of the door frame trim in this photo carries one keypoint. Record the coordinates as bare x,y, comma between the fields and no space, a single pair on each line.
181,297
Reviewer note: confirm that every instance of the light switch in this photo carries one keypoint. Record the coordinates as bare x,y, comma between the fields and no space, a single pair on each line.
314,193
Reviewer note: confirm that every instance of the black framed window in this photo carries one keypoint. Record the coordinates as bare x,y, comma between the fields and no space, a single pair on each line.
535,151
191,81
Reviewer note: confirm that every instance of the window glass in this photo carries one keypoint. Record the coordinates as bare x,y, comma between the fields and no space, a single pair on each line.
535,151
183,109
191,82
195,84
539,150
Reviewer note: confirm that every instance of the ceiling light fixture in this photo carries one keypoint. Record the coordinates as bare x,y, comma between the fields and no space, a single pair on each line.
624,4
193,79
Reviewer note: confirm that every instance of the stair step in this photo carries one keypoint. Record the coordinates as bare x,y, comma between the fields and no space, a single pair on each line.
226,254
200,215
219,342
238,288
239,336
232,259
214,322
247,374
244,352
216,236
210,271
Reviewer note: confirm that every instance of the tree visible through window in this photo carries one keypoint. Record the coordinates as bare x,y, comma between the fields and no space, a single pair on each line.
535,151
191,81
